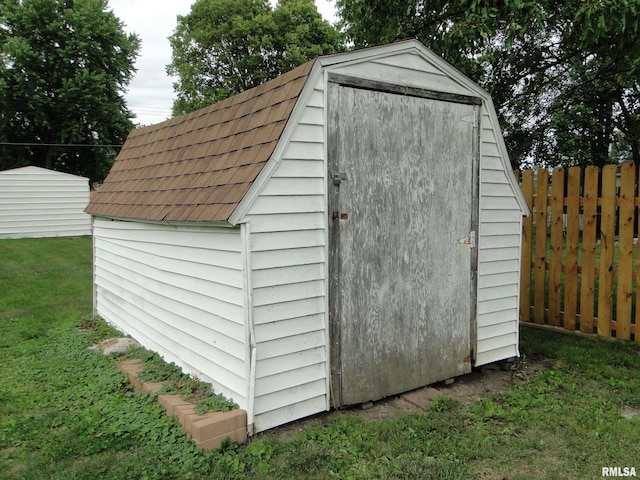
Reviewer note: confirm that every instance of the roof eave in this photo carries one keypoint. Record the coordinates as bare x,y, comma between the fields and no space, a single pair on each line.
223,224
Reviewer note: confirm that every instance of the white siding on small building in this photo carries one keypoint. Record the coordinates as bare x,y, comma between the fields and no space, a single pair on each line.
246,307
288,272
405,69
36,202
178,291
498,255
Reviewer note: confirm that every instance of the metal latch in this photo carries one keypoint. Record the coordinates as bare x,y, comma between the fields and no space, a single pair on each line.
338,177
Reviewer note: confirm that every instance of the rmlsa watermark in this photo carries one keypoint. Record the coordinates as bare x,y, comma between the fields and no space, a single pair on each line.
618,471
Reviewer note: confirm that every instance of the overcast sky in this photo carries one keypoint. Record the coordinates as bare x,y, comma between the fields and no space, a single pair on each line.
150,94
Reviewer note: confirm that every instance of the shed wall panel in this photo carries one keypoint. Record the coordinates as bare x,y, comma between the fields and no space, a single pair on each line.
293,274
177,290
35,202
287,310
496,292
497,354
500,278
282,186
290,204
280,364
300,169
287,257
492,160
288,273
405,70
266,385
270,241
496,330
302,403
290,397
410,61
496,317
494,176
289,328
288,292
500,225
487,308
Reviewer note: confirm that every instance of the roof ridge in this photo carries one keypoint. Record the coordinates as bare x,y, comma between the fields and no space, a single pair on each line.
302,70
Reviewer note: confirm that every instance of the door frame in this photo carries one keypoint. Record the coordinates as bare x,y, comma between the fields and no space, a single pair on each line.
335,347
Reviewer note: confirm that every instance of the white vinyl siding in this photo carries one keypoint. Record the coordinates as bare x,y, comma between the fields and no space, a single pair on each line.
406,69
498,256
288,275
178,291
36,202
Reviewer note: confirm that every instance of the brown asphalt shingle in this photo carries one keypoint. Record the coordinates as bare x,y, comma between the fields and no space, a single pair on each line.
199,166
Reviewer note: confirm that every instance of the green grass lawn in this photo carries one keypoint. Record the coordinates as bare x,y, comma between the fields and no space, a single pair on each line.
67,413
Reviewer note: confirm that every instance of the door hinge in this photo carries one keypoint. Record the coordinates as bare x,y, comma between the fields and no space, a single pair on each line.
469,240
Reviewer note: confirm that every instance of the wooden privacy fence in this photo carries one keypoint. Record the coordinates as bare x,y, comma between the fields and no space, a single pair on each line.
580,252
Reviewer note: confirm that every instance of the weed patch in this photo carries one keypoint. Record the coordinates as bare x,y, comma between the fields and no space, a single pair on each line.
96,329
155,369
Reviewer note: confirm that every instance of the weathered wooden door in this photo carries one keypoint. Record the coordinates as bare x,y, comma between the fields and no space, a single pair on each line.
403,207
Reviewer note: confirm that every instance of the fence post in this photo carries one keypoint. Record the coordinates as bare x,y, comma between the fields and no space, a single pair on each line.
525,254
573,244
589,226
607,234
555,250
626,214
636,331
540,261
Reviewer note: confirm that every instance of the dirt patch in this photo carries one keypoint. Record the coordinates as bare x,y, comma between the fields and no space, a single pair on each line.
486,380
467,389
114,345
629,412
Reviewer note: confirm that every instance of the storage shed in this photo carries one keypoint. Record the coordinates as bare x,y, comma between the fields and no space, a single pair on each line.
37,202
345,232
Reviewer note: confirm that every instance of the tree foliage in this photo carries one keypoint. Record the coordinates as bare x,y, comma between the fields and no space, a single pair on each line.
223,47
564,75
63,67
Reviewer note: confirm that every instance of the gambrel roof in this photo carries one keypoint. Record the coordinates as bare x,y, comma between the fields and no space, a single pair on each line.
199,166
205,166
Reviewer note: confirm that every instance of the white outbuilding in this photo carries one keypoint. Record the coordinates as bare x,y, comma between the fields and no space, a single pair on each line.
345,232
37,202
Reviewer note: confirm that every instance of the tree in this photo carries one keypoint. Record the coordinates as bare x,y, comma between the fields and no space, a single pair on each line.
223,47
563,75
64,65
301,34
566,85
